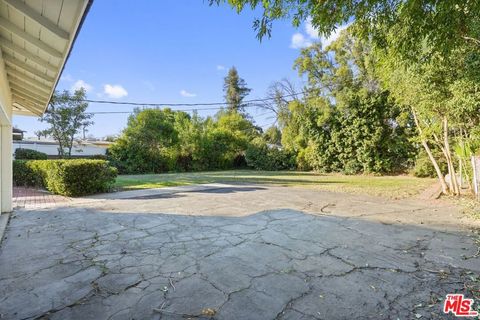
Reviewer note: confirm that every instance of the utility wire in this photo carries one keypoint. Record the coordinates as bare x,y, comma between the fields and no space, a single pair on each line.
250,105
258,115
150,105
263,114
145,104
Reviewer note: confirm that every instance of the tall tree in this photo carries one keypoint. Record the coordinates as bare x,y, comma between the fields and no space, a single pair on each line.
346,121
235,89
66,117
442,93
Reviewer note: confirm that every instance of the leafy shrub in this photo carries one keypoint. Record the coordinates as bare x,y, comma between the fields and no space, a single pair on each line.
302,161
184,162
133,159
66,177
239,162
424,168
157,141
98,157
262,157
29,154
24,174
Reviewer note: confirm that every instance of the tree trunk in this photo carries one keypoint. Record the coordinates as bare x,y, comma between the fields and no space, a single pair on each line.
425,145
448,155
465,172
70,146
61,152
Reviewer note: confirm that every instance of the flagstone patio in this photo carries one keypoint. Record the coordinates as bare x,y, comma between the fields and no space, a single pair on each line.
105,260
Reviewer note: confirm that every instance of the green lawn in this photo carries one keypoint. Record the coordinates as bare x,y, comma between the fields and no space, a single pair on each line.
387,186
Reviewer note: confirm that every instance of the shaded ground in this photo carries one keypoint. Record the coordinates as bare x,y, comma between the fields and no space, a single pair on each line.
307,255
400,186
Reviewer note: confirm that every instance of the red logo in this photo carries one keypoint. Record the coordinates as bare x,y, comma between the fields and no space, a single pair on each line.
459,306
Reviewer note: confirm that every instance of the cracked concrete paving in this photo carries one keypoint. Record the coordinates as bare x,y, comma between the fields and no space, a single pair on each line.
127,259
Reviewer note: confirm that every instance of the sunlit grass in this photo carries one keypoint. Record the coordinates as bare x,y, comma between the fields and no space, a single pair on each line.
387,186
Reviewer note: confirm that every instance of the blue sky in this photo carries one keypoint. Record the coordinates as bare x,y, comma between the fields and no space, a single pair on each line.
172,51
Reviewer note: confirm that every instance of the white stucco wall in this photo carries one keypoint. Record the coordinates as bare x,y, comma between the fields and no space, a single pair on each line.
5,141
52,149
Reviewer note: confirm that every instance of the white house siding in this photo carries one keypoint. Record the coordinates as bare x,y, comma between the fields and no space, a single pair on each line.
51,149
35,40
5,141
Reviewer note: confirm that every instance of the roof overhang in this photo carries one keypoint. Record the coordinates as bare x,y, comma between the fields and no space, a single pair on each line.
36,38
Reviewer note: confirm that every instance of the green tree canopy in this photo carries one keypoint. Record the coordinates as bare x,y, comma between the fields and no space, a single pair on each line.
273,135
346,121
66,116
444,25
442,93
145,142
160,140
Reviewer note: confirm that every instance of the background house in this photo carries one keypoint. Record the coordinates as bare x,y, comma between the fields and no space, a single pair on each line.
81,148
17,134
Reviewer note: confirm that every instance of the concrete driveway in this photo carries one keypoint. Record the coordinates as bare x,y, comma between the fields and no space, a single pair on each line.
236,252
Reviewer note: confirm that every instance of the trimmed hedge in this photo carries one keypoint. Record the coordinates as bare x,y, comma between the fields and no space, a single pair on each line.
74,177
29,154
26,174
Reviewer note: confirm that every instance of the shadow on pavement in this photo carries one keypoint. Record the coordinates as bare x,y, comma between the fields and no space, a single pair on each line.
229,190
81,263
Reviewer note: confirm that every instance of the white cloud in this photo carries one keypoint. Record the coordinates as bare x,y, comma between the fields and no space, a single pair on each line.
187,94
220,67
81,84
326,41
299,41
310,29
115,91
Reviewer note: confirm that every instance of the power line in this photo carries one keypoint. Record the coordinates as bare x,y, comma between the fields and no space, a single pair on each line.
149,104
250,105
269,125
258,115
262,114
129,112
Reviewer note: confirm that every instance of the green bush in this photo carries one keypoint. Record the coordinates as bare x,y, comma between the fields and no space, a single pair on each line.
76,177
302,160
263,157
29,154
98,157
24,174
424,168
